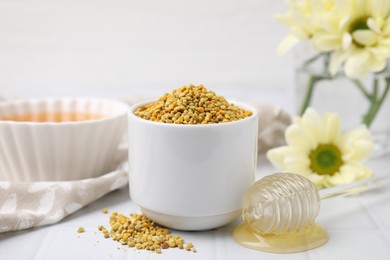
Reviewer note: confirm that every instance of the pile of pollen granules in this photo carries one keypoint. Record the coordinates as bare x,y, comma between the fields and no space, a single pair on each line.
192,105
141,233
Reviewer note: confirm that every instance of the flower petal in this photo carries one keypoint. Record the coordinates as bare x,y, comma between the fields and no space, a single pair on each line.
365,37
356,145
382,51
330,22
377,65
373,25
296,136
334,180
349,173
287,43
360,7
299,32
380,8
337,58
356,65
280,155
386,27
332,128
316,179
313,123
276,156
355,172
297,164
346,40
326,42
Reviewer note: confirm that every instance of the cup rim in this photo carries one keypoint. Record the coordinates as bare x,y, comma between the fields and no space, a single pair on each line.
230,101
123,108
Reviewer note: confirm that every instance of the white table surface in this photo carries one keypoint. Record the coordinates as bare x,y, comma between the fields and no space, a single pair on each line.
358,226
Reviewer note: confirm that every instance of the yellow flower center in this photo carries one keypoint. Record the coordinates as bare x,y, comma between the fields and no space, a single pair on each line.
361,34
325,159
359,23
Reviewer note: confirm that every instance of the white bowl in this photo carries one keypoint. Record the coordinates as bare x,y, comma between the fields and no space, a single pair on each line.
191,177
59,151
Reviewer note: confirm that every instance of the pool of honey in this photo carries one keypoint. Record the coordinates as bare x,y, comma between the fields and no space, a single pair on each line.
281,243
56,117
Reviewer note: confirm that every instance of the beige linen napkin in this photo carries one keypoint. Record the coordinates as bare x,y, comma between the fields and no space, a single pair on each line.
24,205
30,204
273,121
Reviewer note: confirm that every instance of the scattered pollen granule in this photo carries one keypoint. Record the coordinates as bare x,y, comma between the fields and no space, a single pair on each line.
141,233
80,230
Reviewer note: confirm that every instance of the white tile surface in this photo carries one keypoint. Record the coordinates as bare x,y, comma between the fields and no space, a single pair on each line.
92,245
357,244
358,228
346,214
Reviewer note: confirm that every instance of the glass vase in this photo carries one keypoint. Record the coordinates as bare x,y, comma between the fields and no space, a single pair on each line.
357,102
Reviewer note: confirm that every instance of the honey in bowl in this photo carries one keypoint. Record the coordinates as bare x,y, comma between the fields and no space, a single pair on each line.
55,117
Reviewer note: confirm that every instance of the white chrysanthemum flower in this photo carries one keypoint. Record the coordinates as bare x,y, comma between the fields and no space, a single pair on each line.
304,17
358,35
318,150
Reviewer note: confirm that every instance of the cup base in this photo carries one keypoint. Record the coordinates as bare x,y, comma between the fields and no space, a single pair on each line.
191,223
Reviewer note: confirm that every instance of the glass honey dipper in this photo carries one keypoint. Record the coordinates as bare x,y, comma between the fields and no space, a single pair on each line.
279,212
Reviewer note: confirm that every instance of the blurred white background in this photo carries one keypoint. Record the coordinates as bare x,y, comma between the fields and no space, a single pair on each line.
118,48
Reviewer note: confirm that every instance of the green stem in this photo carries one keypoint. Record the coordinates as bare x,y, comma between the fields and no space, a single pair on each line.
361,87
373,101
312,59
374,96
309,93
376,103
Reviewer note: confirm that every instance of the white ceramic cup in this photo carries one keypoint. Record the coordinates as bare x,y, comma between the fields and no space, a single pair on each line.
191,177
